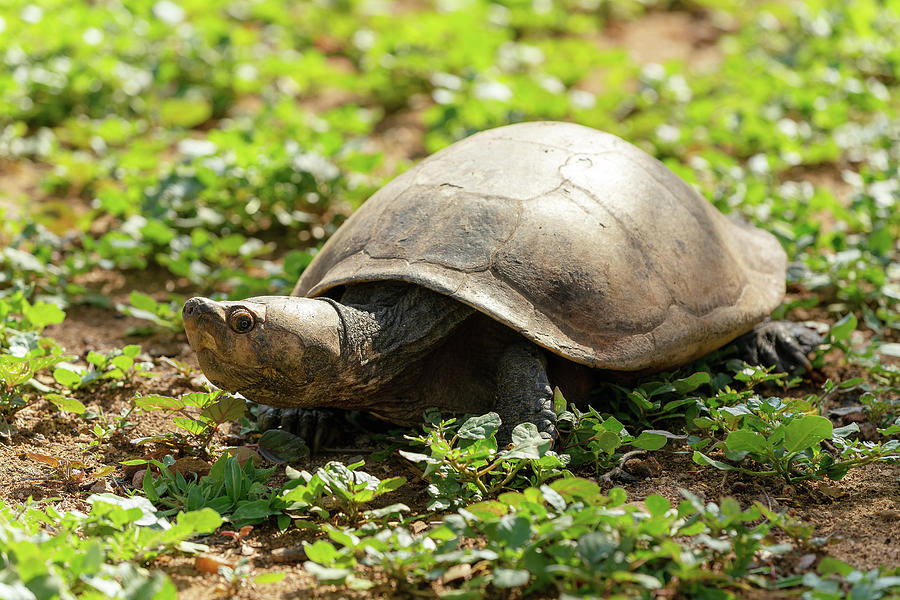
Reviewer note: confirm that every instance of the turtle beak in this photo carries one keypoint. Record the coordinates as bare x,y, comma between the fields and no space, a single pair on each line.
202,317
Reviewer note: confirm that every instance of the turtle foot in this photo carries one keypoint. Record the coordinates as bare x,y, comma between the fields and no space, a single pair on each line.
782,344
524,393
315,426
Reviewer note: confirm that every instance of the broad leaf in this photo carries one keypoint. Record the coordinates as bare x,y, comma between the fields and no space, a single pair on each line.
806,432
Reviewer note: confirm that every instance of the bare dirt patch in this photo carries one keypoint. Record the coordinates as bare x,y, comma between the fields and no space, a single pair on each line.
661,37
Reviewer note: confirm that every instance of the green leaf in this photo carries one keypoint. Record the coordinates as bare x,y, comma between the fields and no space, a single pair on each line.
559,401
480,428
507,578
96,359
42,314
191,425
122,362
845,431
66,403
234,479
252,512
743,440
527,442
608,441
806,432
414,456
657,505
389,485
203,521
595,547
269,578
649,440
513,530
487,510
702,459
841,330
143,302
386,511
229,408
576,487
689,384
66,378
158,402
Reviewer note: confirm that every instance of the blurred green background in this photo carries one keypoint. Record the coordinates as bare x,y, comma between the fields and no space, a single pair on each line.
222,140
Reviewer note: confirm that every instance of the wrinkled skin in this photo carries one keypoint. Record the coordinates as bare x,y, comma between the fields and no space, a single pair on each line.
258,348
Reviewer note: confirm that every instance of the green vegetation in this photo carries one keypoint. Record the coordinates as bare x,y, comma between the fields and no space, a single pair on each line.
95,555
155,149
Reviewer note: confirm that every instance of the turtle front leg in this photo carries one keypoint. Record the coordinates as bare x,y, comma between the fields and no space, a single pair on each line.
782,344
317,427
523,392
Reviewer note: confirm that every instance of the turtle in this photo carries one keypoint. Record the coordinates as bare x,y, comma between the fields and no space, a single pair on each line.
519,259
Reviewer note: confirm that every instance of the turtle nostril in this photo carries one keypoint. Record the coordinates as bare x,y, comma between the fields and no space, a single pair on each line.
190,307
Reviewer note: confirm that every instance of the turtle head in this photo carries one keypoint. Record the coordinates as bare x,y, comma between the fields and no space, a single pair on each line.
277,350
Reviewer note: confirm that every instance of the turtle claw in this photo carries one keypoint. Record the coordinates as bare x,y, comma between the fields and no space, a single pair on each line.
315,426
784,345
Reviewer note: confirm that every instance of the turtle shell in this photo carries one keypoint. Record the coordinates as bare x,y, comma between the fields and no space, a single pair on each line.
580,241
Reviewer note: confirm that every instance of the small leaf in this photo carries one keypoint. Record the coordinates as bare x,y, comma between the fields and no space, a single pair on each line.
806,432
487,510
480,428
229,408
608,441
575,487
841,330
649,440
527,442
184,112
414,456
595,547
142,301
657,505
66,378
689,384
158,402
67,403
743,440
269,578
122,362
702,459
559,402
513,530
42,314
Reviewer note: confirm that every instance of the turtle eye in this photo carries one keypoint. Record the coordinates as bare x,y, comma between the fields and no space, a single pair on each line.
241,320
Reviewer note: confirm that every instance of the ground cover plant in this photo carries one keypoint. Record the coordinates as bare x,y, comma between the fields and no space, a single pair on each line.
152,150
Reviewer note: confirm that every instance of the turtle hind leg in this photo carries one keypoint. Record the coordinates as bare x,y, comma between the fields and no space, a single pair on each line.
784,345
523,392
